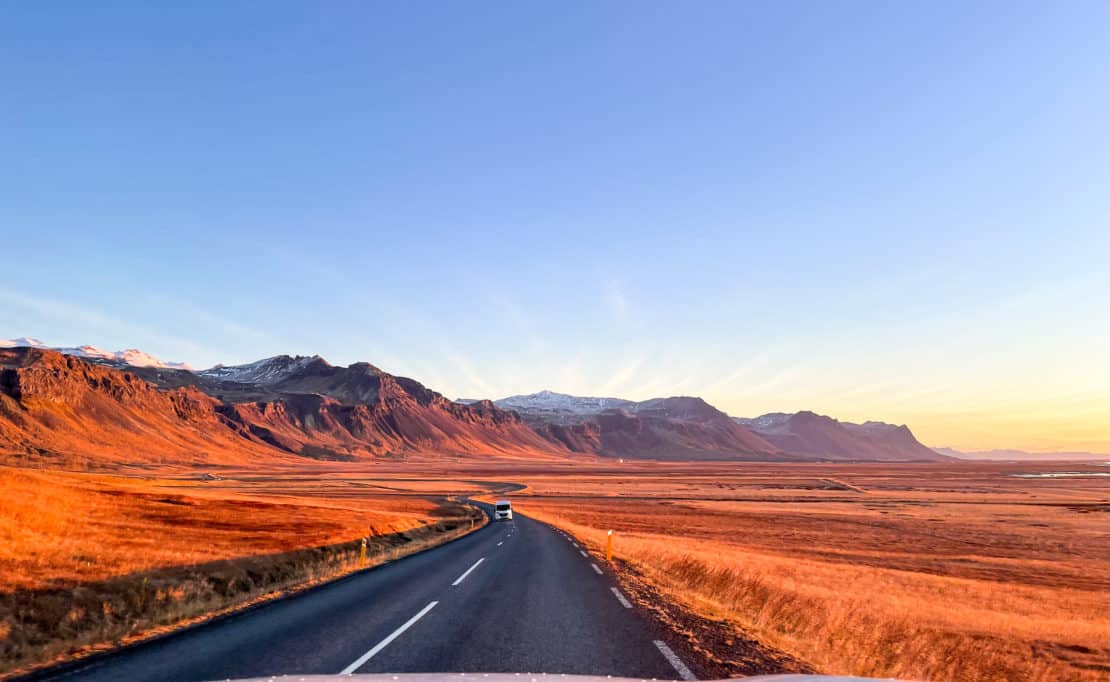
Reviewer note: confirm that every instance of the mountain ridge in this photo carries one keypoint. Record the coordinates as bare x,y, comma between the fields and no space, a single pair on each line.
808,433
55,405
677,427
1010,454
131,357
303,406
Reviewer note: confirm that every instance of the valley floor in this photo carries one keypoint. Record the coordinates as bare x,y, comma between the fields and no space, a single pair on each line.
954,571
937,572
88,561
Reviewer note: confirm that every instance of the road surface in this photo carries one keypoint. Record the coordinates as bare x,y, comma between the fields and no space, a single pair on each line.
515,596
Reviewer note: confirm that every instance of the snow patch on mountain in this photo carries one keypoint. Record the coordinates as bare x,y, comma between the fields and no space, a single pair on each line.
772,421
22,342
561,402
130,356
266,371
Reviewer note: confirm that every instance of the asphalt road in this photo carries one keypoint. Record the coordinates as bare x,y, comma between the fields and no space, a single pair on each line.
515,596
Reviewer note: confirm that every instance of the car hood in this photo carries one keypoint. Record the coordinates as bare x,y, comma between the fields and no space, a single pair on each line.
529,677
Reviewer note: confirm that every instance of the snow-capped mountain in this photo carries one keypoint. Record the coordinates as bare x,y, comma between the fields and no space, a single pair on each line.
22,342
550,401
130,356
307,410
769,422
667,428
265,372
308,407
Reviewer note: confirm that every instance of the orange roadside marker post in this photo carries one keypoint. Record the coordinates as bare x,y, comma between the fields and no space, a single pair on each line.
362,552
609,547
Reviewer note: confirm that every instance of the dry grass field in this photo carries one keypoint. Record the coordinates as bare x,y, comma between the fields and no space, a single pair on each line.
89,560
937,572
964,571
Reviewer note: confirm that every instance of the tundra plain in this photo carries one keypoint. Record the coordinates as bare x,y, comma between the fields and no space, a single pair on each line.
955,571
939,571
90,561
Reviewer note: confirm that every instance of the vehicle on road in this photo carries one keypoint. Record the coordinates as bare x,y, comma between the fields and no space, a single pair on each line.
503,511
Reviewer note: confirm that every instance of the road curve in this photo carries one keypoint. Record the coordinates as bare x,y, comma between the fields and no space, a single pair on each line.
515,596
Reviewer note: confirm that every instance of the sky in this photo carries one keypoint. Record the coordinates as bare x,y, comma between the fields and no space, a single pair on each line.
872,210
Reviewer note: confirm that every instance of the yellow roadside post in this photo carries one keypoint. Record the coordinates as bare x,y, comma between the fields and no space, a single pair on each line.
362,552
609,546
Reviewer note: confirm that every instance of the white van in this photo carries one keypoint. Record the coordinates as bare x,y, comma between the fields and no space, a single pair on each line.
502,510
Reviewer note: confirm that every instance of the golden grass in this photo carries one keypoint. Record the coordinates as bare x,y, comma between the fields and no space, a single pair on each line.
90,561
884,575
938,572
57,529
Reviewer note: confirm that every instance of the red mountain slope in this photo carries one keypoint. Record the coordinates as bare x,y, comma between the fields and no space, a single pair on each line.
55,407
61,407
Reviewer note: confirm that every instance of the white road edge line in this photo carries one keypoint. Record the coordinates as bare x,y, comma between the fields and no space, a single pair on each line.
674,660
463,576
596,569
620,597
583,553
385,642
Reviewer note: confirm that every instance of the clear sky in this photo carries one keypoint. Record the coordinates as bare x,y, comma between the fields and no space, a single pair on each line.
887,210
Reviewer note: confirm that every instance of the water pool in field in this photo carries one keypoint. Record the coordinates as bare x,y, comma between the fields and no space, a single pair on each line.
1063,474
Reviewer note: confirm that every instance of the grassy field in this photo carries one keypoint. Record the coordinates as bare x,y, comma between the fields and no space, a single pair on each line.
88,561
938,572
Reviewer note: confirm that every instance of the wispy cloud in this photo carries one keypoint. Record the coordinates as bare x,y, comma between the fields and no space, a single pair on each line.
616,301
73,316
517,319
746,369
211,320
477,383
627,370
782,377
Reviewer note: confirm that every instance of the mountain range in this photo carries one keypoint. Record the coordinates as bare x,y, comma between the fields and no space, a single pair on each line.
1002,455
815,435
127,407
130,357
661,428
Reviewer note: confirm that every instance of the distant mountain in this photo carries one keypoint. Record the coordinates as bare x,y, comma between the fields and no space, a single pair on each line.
560,408
128,407
66,410
303,403
267,371
1020,455
818,436
662,428
57,407
130,357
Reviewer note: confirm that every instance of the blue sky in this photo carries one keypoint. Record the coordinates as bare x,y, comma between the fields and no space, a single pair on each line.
874,210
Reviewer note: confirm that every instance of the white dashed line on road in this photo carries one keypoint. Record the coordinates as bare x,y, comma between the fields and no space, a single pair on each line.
620,597
463,576
596,569
674,660
500,543
583,553
385,642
